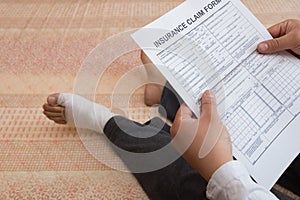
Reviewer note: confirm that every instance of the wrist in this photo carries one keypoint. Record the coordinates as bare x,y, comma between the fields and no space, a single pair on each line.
212,162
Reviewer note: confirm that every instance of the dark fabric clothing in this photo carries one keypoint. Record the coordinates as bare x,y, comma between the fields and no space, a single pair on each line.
177,180
290,179
170,102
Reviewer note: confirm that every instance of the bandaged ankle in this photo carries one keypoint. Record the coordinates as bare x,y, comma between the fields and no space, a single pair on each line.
83,113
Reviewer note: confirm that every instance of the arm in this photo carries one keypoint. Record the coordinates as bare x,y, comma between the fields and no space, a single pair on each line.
211,155
286,37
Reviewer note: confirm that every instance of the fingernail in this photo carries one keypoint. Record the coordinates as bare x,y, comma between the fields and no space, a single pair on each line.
52,100
263,46
210,94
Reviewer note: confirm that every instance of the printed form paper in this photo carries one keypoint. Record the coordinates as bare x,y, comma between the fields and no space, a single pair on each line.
211,44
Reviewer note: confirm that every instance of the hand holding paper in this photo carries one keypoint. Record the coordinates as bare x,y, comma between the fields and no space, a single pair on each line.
286,37
258,96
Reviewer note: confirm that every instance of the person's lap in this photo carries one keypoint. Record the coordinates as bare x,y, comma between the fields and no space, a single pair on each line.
176,181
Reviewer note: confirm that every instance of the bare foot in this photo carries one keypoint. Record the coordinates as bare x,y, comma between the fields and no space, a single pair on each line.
64,108
53,111
152,94
154,89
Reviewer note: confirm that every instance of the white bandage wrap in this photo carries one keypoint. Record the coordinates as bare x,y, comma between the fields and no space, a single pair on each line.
83,113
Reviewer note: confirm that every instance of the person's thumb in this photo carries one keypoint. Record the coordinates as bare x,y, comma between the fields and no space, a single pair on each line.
277,44
183,113
208,103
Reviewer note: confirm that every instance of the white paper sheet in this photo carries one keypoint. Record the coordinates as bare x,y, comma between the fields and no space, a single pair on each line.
211,44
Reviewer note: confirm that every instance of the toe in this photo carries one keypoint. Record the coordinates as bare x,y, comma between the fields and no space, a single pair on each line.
58,120
53,114
50,108
52,99
61,122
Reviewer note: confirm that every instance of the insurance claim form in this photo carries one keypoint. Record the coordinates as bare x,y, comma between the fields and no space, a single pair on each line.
211,44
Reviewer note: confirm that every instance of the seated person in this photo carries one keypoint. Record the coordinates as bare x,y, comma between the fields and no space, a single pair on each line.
178,180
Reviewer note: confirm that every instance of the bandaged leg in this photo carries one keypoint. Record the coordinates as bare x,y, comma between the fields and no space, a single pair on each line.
83,113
